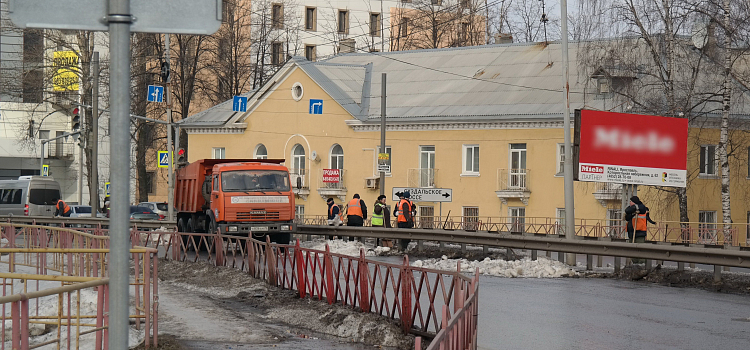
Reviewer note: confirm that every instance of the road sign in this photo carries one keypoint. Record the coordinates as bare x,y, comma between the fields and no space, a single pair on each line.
45,170
316,106
384,156
384,168
163,159
422,194
155,93
165,16
106,189
239,104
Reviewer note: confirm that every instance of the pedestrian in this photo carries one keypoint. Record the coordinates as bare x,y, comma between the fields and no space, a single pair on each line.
334,215
61,209
381,217
356,212
638,217
405,215
106,206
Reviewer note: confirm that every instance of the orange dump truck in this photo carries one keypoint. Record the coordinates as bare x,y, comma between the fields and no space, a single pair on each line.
236,197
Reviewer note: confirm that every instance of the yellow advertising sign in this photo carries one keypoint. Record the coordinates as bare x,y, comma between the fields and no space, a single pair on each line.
384,156
66,65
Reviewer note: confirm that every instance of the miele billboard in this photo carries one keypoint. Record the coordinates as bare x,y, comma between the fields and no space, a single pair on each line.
632,148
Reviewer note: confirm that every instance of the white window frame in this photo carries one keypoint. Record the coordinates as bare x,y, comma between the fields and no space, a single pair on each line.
520,224
465,149
473,223
339,157
559,165
222,153
703,222
255,152
388,150
297,211
702,167
299,161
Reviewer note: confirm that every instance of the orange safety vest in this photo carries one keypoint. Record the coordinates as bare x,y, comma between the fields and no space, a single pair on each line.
354,208
66,208
401,217
640,222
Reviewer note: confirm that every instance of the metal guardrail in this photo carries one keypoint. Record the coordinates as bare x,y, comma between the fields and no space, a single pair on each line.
70,256
698,254
87,222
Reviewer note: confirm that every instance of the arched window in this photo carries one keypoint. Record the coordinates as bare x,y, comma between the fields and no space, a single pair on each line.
298,159
337,157
260,152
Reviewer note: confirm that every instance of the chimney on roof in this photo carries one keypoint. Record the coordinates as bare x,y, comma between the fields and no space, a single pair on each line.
347,46
503,38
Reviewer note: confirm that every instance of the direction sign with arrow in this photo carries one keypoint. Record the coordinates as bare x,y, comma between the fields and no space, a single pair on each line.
422,194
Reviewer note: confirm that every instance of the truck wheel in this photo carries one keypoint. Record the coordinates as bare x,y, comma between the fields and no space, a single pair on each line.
181,229
212,226
189,228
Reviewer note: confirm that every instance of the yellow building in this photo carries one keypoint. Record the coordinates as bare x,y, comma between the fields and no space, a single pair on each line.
483,121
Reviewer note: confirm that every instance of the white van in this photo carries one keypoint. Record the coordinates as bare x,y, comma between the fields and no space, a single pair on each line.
29,196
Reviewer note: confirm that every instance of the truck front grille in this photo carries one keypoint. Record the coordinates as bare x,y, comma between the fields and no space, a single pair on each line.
258,215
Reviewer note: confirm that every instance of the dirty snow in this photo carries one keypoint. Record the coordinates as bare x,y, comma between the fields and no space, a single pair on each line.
346,248
540,268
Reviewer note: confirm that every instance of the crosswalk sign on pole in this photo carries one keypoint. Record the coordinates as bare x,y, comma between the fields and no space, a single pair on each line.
106,188
163,159
45,170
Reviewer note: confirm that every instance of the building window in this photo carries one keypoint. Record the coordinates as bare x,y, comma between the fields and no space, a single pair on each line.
517,217
260,152
708,160
343,23
277,16
374,24
426,166
707,221
299,213
614,223
517,170
32,82
43,134
403,27
298,165
436,2
276,53
471,160
560,159
470,218
311,18
602,86
219,153
310,52
465,3
337,157
226,11
427,216
387,162
560,220
151,182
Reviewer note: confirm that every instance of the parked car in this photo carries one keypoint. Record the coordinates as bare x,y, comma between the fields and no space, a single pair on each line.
142,213
159,208
83,211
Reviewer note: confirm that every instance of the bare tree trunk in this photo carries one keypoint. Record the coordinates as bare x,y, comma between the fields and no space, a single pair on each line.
723,138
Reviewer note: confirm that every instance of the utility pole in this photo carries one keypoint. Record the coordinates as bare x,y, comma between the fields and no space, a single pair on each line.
167,92
80,169
94,136
568,165
382,132
119,19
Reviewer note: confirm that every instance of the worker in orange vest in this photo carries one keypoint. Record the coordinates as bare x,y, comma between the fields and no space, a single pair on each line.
638,218
356,212
405,215
61,208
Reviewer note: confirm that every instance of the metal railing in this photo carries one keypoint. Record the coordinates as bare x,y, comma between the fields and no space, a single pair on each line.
295,174
422,177
512,179
340,184
38,253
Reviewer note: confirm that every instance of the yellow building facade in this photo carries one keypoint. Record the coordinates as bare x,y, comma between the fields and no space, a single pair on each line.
501,159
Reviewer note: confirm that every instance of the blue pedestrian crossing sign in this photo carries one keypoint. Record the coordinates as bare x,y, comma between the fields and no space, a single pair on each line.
155,93
163,159
239,104
106,188
316,106
45,170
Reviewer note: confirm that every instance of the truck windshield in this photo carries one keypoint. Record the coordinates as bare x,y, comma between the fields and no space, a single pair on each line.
254,180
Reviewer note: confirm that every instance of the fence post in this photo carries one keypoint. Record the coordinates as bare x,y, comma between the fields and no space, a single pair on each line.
457,286
251,258
418,343
406,295
219,249
25,323
328,268
99,316
270,262
364,282
300,260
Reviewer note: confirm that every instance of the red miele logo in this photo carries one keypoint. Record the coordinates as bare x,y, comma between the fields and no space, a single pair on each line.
592,169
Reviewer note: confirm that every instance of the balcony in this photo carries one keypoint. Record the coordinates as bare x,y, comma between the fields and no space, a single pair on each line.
513,184
422,177
61,150
607,192
300,175
330,185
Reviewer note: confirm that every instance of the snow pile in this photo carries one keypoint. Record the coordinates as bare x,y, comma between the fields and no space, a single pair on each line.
540,268
346,248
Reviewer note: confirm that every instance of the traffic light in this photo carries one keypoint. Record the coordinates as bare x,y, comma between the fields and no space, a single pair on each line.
165,71
76,121
181,156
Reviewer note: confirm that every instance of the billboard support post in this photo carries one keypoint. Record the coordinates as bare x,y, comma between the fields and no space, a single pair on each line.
568,164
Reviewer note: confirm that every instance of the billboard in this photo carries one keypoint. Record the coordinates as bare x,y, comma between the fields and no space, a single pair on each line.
65,64
331,175
632,149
